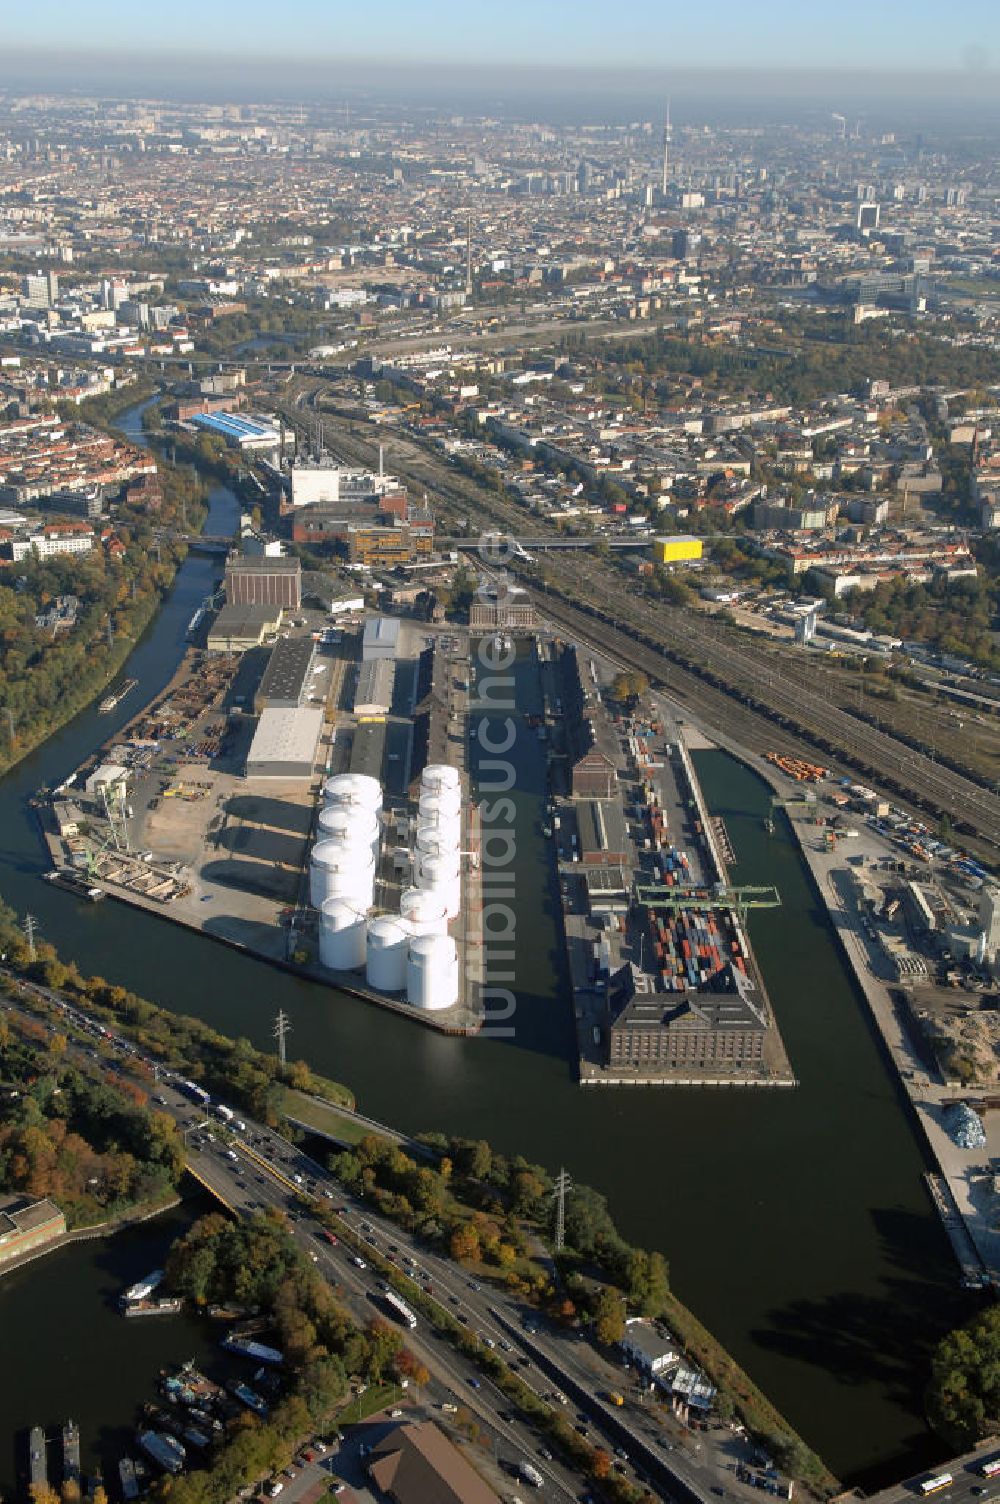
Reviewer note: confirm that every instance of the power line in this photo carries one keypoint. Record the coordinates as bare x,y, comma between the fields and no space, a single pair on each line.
562,1184
29,927
280,1030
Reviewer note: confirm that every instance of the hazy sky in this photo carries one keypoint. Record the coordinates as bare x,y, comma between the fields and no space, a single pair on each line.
880,34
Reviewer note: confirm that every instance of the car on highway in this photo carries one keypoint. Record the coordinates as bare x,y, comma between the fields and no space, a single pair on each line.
475,1384
359,1262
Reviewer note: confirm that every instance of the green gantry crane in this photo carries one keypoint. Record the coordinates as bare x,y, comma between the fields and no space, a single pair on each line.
740,898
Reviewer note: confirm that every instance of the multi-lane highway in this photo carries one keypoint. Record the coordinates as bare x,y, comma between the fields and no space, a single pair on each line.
253,1168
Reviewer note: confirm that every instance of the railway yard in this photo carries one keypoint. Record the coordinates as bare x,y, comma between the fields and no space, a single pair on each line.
915,748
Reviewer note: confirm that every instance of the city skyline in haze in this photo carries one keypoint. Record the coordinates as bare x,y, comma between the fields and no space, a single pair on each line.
780,35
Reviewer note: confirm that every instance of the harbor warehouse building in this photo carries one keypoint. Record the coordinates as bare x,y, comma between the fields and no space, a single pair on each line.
591,743
676,550
284,744
286,680
380,639
373,695
239,628
263,581
718,1027
26,1225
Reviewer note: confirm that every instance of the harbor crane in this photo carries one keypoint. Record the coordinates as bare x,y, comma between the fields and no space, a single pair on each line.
739,898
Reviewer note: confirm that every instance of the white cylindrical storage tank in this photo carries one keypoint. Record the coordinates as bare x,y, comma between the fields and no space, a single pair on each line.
435,870
445,804
388,939
440,875
351,825
432,972
446,820
424,912
332,860
435,840
355,885
438,775
342,935
352,789
334,820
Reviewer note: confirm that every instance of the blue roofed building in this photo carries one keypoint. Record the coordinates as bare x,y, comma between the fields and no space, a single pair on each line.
240,432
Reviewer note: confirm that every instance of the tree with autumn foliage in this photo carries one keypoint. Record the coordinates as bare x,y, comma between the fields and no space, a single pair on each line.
92,1147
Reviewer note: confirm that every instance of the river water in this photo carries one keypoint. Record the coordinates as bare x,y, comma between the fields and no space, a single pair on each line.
69,1353
796,1223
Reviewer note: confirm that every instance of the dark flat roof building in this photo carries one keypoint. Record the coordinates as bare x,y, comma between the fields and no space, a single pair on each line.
601,827
718,1029
285,684
368,750
237,628
590,738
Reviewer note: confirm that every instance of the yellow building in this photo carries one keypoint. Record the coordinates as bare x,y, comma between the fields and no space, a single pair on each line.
676,550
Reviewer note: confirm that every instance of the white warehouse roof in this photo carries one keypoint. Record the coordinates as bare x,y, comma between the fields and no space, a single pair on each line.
284,744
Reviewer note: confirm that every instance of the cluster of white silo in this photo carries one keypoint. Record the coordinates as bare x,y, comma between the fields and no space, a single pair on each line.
436,867
342,864
411,951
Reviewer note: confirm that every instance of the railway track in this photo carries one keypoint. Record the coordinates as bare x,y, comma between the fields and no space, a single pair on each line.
746,694
726,685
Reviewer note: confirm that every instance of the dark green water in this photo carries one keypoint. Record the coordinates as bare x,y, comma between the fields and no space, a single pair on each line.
67,1352
795,1222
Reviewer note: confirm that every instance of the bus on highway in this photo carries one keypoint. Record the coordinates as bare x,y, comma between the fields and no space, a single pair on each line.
935,1482
399,1308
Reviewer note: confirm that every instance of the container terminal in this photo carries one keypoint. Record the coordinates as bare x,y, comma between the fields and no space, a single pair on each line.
302,793
666,989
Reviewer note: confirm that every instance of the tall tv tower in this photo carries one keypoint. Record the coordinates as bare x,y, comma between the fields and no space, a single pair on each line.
666,151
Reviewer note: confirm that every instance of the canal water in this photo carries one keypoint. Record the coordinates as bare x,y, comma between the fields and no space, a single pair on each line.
795,1223
69,1353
